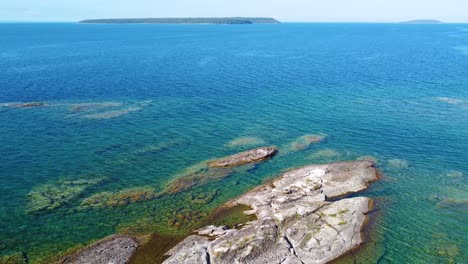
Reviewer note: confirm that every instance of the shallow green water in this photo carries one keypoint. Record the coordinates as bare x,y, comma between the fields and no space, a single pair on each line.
170,97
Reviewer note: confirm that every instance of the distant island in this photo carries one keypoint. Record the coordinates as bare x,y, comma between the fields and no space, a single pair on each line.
423,21
188,20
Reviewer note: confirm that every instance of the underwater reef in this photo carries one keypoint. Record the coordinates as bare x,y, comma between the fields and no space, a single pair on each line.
53,195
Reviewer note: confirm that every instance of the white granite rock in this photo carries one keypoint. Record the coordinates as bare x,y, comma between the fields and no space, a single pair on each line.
296,223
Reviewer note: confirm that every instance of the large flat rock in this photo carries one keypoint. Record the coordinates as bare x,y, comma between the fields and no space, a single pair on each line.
297,223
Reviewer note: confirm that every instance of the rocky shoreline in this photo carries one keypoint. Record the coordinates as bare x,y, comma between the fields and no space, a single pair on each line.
300,218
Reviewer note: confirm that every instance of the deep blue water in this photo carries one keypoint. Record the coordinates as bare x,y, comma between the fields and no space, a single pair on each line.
166,97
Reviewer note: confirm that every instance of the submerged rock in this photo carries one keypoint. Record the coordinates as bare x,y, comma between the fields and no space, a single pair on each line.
453,196
218,169
27,105
185,219
443,248
155,148
115,250
295,221
124,197
84,107
196,175
304,142
203,197
249,156
53,195
17,258
454,174
454,101
325,154
111,114
368,158
398,164
245,141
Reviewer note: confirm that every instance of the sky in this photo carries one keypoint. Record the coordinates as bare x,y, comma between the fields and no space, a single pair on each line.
284,10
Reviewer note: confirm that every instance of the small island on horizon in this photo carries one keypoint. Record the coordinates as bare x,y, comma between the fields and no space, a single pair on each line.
423,21
187,20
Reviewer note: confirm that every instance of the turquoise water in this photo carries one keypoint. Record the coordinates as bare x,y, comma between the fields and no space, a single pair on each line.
139,104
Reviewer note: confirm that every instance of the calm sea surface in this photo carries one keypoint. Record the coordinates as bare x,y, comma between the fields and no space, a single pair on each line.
136,105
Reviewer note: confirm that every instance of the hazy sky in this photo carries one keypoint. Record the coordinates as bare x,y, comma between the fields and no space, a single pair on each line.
285,10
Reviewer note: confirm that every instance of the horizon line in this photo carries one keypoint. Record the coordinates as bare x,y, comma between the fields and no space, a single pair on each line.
287,21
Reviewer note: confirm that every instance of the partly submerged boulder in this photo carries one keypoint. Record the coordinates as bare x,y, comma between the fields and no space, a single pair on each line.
249,156
295,221
218,169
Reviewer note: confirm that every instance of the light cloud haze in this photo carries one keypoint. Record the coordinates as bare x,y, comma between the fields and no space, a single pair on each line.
284,10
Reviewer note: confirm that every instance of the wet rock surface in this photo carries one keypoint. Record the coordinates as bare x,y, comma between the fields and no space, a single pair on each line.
296,222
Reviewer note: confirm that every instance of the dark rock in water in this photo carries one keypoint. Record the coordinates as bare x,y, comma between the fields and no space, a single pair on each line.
249,156
28,105
115,250
295,222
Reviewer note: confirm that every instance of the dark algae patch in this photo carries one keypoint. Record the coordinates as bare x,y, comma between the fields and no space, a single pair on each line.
232,217
154,249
